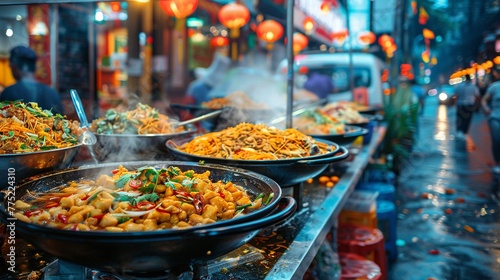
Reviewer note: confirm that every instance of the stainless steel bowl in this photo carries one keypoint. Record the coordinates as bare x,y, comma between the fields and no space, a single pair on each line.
134,147
18,167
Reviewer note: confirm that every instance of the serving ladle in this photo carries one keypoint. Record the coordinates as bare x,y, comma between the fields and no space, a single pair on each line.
88,138
199,118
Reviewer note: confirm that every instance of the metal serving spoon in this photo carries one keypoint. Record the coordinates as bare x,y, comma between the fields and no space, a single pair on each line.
87,138
199,118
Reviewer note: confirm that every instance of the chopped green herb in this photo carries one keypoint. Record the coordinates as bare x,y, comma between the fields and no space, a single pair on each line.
10,135
120,183
239,207
122,220
269,198
92,197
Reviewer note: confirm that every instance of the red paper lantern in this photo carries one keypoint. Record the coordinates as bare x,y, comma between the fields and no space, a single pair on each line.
179,8
340,36
325,7
269,31
367,37
115,6
308,24
428,34
219,41
385,41
496,60
300,42
234,15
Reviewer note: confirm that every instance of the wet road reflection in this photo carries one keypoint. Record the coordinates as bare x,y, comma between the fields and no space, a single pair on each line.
448,207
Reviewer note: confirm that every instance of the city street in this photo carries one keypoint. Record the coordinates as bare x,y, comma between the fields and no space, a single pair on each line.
447,199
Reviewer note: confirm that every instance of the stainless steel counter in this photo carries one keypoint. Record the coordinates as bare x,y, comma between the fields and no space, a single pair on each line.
281,252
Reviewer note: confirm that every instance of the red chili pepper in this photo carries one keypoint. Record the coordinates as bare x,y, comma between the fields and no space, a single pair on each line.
135,184
161,210
115,171
183,195
85,197
199,203
222,195
75,226
7,107
33,212
145,205
98,216
51,204
63,218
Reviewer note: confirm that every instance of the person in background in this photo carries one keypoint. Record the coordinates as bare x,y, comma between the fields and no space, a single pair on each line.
22,63
491,106
199,90
319,84
420,93
467,94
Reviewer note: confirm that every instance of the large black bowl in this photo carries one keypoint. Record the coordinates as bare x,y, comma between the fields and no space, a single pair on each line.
345,139
368,118
151,251
286,172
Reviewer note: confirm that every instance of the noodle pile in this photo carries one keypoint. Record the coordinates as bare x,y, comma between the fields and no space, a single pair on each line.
141,120
255,142
236,99
25,127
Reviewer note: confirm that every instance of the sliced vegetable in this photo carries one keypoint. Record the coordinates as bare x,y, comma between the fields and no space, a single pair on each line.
199,203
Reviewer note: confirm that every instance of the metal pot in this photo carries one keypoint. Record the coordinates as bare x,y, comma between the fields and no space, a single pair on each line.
129,147
153,251
24,165
286,172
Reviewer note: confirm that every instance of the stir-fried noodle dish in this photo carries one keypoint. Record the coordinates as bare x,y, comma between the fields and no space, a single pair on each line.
237,99
248,141
316,122
141,120
25,128
145,199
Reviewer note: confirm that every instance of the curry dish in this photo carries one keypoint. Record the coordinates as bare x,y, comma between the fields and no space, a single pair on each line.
248,141
145,199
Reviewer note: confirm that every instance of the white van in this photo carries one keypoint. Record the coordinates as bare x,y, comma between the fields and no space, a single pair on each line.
367,70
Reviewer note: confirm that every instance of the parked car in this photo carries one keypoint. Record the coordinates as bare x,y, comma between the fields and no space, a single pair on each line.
367,70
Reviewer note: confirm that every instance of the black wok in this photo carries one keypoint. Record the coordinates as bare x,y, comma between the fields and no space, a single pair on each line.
286,172
154,251
345,139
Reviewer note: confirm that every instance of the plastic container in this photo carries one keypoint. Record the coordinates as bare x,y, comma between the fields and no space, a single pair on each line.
386,219
364,241
360,209
367,138
356,267
385,191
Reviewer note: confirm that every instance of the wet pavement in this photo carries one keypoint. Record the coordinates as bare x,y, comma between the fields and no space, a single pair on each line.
447,201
